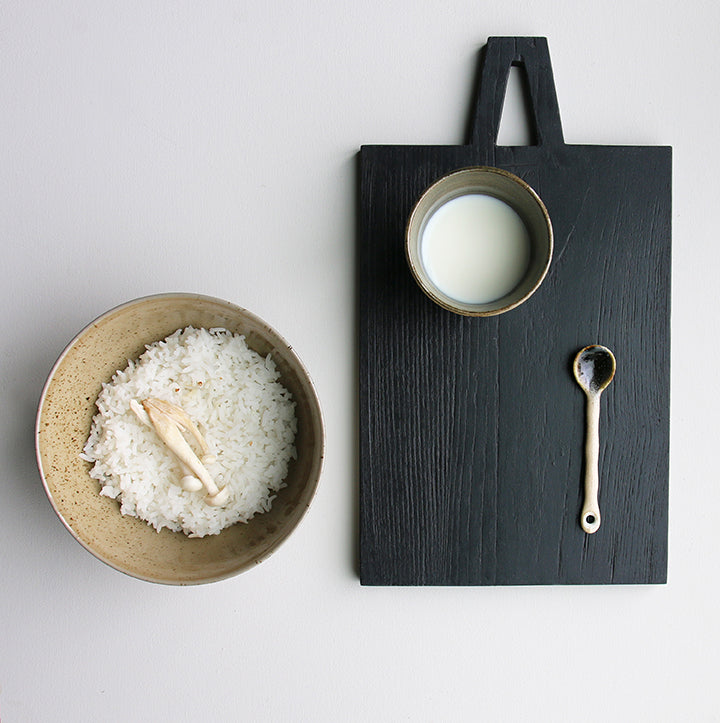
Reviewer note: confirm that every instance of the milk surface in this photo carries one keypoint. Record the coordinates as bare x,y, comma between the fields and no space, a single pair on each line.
475,248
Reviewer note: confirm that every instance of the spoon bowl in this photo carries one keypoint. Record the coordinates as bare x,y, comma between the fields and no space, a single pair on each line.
594,369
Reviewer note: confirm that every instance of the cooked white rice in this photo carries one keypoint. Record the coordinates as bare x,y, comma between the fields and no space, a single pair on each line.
235,398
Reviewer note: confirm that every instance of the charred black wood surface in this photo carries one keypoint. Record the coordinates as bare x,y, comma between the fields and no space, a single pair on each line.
472,429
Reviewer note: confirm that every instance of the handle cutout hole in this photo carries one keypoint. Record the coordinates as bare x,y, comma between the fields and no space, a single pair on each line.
590,519
517,125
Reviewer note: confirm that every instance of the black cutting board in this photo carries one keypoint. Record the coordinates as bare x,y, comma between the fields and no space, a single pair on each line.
472,429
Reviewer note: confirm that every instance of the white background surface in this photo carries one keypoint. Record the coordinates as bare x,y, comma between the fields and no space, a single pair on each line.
209,147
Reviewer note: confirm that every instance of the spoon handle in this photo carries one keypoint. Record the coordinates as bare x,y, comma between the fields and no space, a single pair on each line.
590,517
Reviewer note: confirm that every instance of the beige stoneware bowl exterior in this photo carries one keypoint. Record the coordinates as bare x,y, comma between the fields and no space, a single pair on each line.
67,407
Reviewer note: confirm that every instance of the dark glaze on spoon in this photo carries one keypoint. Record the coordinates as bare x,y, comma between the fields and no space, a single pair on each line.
594,368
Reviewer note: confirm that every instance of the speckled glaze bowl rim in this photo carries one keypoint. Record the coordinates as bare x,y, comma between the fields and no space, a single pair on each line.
417,218
311,486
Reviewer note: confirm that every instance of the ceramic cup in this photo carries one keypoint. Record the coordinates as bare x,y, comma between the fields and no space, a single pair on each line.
479,241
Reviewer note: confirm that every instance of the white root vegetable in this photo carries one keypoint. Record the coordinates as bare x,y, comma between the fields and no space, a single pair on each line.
183,420
168,419
189,482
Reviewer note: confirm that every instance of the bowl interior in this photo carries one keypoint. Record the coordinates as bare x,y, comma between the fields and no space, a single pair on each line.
65,416
506,187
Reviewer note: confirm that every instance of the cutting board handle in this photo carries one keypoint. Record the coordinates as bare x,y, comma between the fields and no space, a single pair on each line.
500,55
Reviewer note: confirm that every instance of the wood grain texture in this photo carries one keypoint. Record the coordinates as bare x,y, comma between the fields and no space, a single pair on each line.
472,429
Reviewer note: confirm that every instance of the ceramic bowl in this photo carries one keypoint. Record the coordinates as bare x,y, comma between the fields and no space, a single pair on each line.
513,191
66,409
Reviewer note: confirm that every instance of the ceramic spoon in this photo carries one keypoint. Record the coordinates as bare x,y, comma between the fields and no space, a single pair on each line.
594,369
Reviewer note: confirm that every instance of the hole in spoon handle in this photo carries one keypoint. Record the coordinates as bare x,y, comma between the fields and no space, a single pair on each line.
590,521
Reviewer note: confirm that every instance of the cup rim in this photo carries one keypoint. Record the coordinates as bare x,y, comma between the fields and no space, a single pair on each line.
413,237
